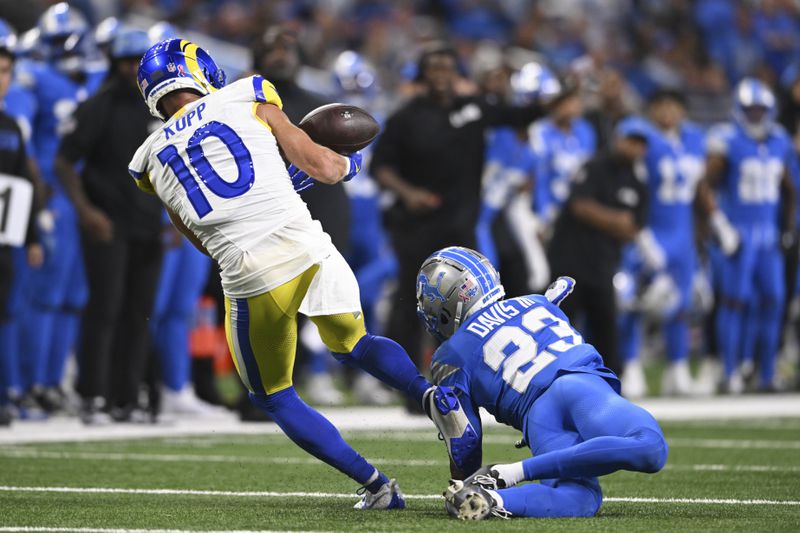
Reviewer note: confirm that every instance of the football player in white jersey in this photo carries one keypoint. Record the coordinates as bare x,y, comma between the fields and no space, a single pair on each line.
216,165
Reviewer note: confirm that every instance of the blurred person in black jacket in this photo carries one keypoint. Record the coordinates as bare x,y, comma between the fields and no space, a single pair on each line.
121,236
606,208
431,155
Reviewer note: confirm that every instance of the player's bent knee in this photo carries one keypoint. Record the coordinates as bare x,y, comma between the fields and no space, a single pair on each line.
652,451
341,333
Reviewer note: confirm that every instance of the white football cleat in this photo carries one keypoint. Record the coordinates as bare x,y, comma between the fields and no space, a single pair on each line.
708,378
634,384
677,380
185,402
467,501
388,497
370,391
321,390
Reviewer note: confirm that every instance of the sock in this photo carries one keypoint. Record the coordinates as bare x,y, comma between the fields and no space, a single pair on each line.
570,498
314,433
676,337
37,333
9,359
769,340
643,450
389,362
729,326
377,481
172,340
67,326
511,473
630,336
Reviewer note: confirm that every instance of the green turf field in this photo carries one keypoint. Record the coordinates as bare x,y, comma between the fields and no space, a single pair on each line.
236,483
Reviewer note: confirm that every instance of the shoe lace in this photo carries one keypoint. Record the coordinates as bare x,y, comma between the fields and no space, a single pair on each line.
500,512
485,481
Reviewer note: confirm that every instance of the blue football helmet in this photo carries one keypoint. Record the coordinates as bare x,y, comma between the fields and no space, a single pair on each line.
28,45
352,74
452,284
173,65
161,31
8,39
130,43
534,83
754,107
62,33
105,32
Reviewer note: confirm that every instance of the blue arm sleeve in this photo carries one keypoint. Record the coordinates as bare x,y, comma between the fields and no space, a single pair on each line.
470,457
483,234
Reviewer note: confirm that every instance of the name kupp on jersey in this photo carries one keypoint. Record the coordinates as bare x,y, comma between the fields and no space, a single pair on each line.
217,166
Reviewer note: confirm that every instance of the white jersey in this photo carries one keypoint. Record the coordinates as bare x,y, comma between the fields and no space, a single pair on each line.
217,166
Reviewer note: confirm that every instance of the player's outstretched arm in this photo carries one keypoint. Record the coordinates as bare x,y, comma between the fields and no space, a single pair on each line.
319,162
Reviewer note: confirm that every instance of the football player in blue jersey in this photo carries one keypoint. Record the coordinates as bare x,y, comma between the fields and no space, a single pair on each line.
369,255
57,291
562,142
674,164
521,360
508,176
17,104
748,166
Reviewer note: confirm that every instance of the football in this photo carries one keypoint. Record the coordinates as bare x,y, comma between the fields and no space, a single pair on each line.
342,128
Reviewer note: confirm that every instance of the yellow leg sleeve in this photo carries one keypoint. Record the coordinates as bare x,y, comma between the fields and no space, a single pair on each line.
341,332
262,334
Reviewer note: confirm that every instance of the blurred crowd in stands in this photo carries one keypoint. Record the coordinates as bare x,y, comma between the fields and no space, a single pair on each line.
108,314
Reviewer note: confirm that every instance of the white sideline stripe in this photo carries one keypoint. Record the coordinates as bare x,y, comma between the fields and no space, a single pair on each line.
119,530
340,495
734,443
179,458
388,419
23,453
678,442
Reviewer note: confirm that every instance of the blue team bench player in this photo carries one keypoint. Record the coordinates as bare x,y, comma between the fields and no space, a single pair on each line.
521,360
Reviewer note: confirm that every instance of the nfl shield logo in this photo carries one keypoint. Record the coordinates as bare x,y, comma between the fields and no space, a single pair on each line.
171,67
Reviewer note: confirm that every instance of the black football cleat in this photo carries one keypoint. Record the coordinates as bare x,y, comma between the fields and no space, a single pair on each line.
471,502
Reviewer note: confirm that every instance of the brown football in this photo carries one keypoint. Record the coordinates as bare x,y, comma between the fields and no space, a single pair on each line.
341,127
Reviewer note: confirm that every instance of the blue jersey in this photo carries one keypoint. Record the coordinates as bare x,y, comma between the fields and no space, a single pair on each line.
510,162
559,155
57,97
750,191
507,354
674,167
20,103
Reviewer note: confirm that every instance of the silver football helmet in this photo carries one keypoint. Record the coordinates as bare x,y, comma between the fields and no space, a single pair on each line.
452,284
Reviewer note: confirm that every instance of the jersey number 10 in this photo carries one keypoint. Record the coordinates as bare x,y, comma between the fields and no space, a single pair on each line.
170,156
514,347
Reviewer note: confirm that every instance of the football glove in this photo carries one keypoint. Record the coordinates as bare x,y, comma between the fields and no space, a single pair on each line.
300,180
355,159
559,289
727,236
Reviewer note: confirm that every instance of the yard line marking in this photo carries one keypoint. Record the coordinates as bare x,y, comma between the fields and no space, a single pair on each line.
22,453
338,495
119,530
734,443
735,468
